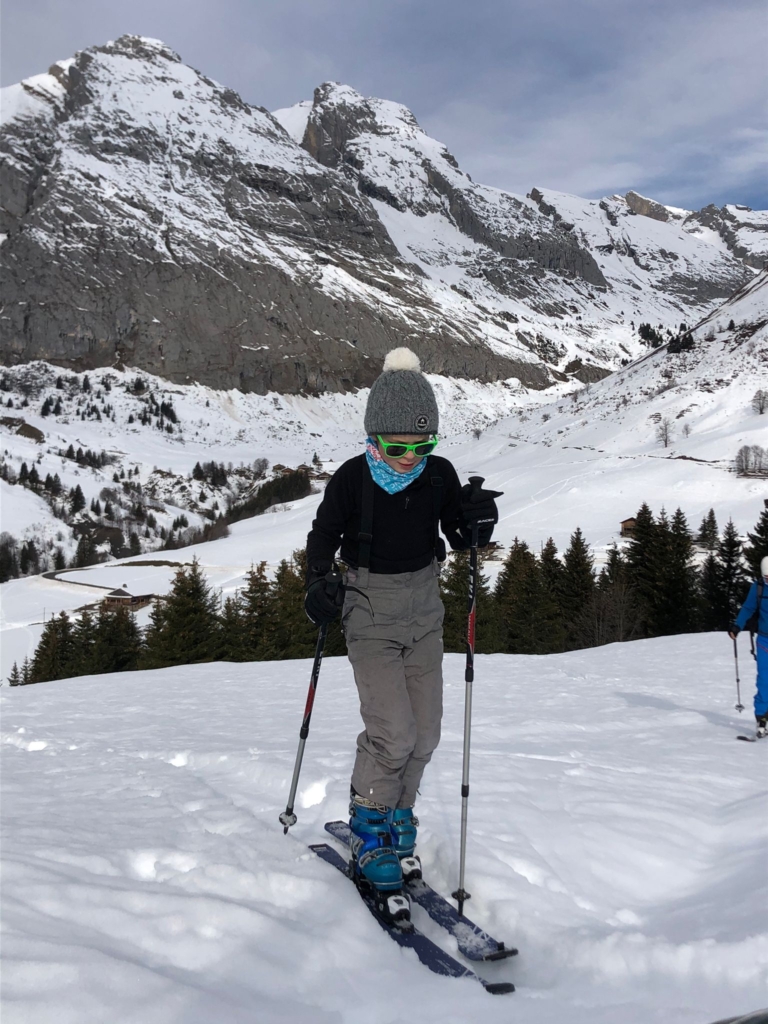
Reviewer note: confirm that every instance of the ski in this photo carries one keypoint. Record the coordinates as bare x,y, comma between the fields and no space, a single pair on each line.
750,739
474,943
428,952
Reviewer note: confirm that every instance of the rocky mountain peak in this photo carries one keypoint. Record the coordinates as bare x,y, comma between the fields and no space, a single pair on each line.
153,218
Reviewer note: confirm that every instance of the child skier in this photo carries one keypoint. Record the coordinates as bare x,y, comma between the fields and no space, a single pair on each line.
755,608
384,509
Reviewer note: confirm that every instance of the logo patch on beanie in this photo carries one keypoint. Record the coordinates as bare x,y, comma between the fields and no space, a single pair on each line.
421,423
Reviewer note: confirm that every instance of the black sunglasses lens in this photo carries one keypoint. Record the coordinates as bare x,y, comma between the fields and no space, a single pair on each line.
394,451
424,449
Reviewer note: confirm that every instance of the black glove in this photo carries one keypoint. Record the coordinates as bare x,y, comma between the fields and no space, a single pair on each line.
324,597
734,630
479,508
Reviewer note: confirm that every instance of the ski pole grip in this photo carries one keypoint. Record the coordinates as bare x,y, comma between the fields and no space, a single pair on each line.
476,484
332,581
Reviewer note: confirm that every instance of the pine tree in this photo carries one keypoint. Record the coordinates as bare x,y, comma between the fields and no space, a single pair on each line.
578,587
118,640
711,616
26,672
233,647
76,500
289,632
154,654
509,597
454,593
641,565
552,569
53,657
14,679
612,614
734,583
757,548
187,631
86,552
678,601
708,533
84,644
254,599
9,559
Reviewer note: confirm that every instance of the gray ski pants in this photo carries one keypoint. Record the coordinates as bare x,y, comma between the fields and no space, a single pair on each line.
394,633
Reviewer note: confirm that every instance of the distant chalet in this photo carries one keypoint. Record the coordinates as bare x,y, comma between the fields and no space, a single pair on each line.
121,598
628,527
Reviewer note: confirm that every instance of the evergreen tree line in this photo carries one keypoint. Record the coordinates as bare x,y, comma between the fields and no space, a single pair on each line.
264,621
540,604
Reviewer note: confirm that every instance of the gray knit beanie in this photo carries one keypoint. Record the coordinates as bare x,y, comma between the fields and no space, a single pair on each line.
401,400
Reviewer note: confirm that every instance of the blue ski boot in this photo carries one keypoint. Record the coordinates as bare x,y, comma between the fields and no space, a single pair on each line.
375,865
404,825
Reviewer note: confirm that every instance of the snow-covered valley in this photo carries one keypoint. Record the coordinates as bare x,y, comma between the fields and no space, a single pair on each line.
584,458
617,837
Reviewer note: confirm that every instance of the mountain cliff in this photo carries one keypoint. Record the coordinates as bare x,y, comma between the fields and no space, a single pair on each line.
150,217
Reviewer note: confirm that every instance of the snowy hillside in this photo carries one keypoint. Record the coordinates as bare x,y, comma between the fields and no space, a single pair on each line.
702,384
615,838
588,460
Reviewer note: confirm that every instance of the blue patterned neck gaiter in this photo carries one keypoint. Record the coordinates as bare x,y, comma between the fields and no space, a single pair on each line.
387,478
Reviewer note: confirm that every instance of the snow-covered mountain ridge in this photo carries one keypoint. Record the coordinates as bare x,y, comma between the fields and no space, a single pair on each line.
154,219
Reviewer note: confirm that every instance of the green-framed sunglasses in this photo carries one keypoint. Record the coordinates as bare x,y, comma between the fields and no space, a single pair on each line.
396,449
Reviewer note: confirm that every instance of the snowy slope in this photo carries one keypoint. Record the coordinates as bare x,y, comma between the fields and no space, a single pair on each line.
147,879
706,393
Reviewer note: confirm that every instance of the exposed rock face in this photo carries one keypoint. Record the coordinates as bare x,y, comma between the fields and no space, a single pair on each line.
649,253
744,231
382,148
155,219
646,207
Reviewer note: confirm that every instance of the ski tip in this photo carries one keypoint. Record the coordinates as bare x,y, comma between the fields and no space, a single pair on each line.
500,954
747,739
498,988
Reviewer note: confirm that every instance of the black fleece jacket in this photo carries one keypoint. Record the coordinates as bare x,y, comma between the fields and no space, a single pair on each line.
403,528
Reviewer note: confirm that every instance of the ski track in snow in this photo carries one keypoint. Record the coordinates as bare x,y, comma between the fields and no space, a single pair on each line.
617,835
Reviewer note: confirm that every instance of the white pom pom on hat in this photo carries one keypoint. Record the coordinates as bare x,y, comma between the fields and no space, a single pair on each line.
402,359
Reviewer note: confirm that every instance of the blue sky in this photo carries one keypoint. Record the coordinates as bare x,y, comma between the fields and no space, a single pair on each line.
592,97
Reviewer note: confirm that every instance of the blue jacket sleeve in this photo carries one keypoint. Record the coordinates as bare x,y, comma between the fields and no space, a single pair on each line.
748,608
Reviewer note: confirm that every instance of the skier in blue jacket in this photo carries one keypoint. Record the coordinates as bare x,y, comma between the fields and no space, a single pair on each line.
758,594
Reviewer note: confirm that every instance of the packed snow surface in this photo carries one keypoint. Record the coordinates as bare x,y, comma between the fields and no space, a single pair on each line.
617,836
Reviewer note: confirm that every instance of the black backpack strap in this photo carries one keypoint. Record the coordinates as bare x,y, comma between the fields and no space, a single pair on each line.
437,503
365,536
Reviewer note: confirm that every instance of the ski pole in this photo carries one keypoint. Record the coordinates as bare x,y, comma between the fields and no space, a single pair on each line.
288,818
461,895
739,705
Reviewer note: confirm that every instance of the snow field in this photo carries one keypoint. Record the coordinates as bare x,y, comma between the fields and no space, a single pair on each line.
616,836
